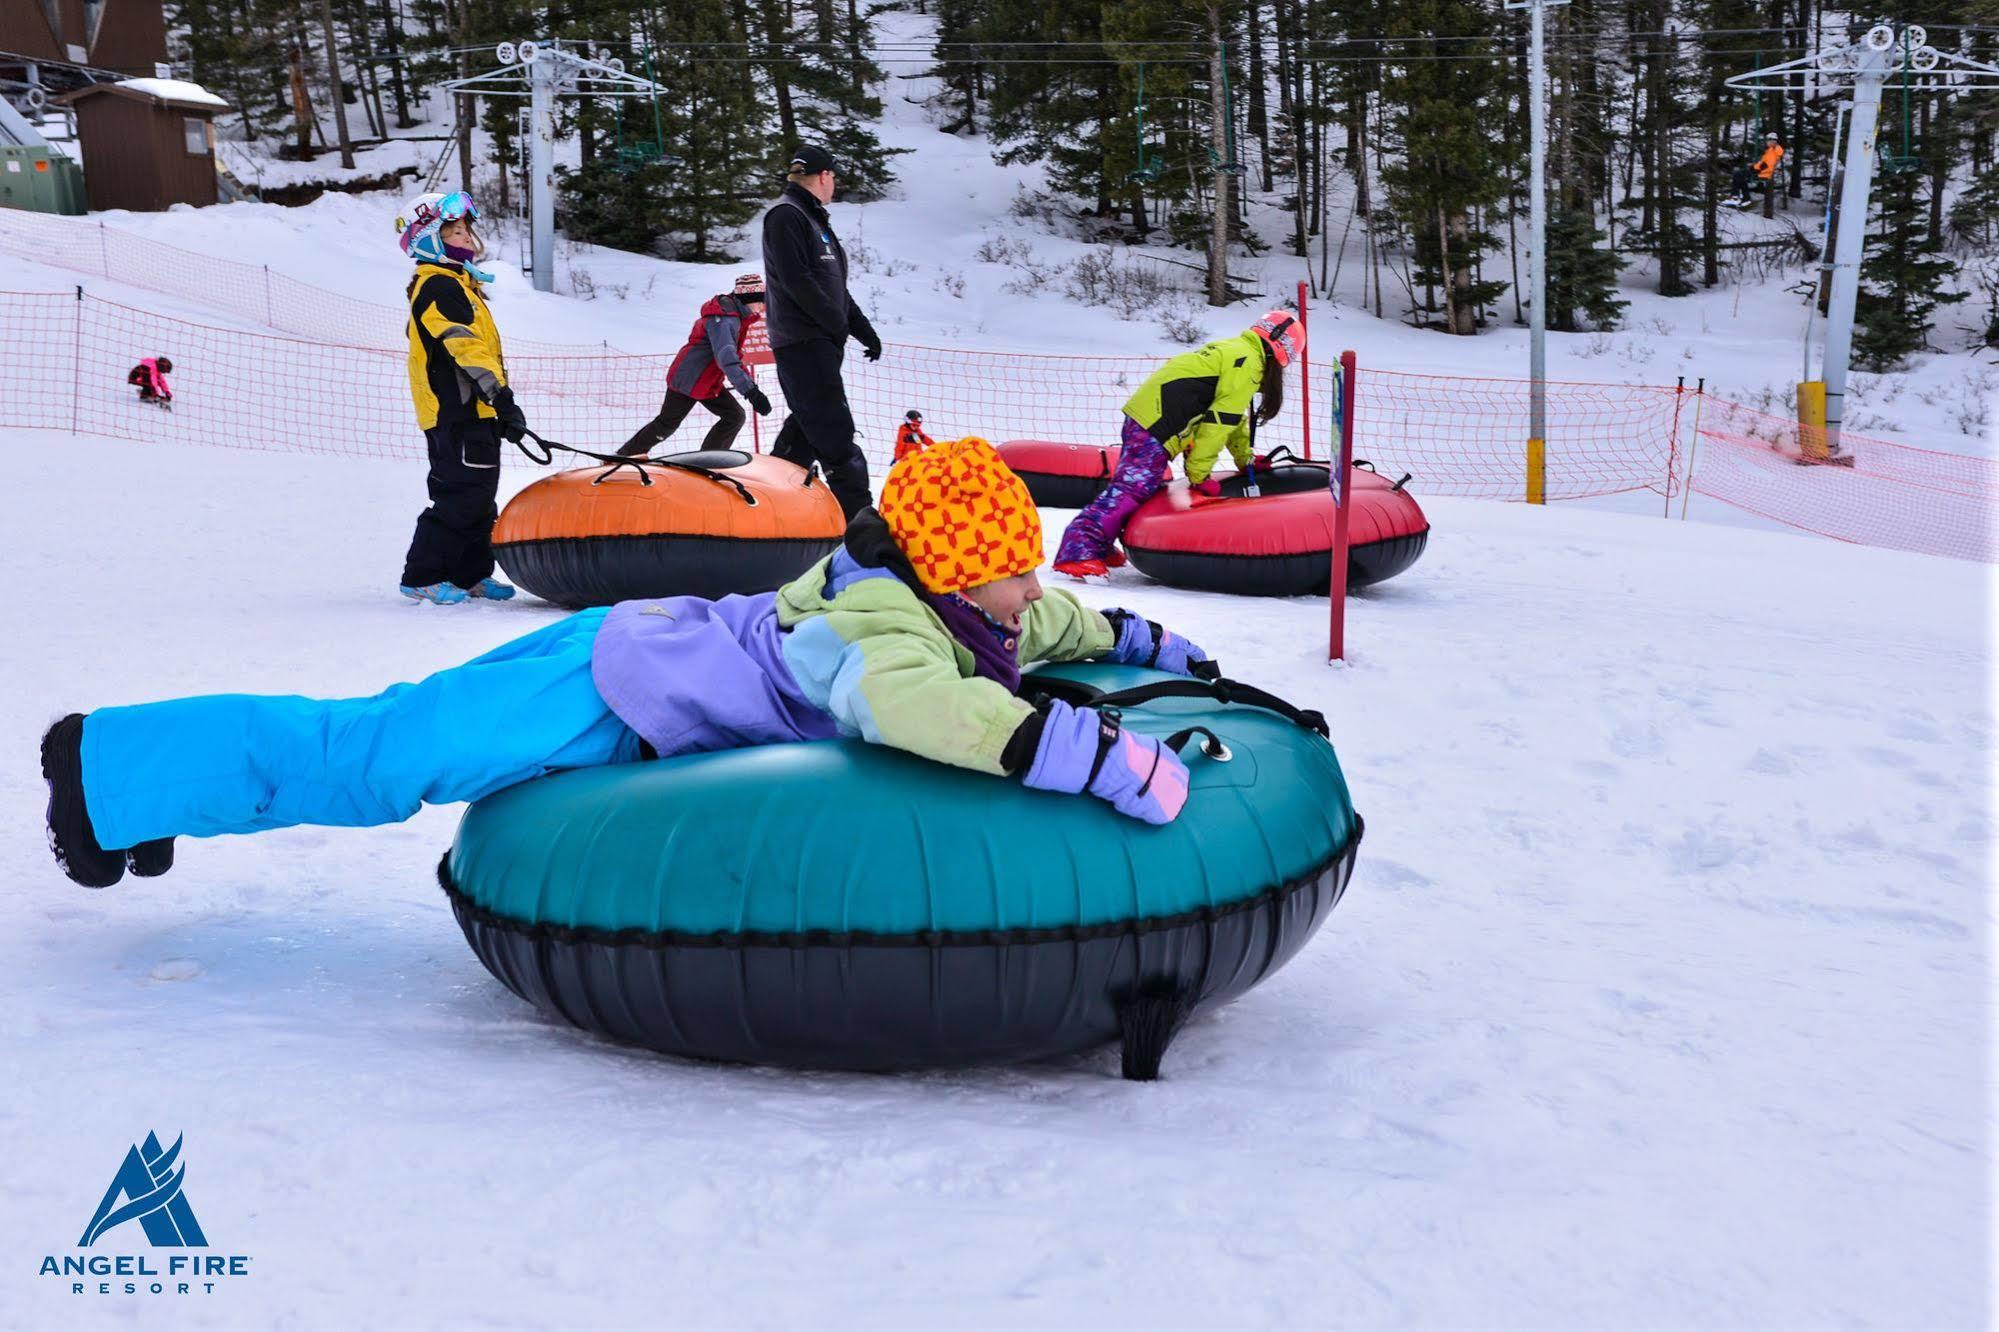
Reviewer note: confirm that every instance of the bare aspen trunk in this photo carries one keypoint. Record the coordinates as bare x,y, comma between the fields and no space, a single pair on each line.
1379,300
333,84
1259,116
1218,233
468,106
787,115
392,34
371,80
302,118
854,51
1463,314
1710,225
1444,274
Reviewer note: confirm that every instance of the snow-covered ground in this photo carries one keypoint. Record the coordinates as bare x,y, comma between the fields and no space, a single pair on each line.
1661,998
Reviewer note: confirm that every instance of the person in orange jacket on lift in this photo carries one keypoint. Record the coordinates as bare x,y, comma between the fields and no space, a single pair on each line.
909,436
1765,169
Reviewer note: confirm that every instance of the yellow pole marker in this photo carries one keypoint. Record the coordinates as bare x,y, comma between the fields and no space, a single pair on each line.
1811,420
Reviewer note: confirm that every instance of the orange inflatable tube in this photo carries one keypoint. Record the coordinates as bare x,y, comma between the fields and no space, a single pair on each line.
693,524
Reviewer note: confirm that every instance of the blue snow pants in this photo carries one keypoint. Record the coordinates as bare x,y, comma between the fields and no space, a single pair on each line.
237,763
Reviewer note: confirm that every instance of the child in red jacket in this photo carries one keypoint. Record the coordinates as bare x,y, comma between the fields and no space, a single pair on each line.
909,436
709,362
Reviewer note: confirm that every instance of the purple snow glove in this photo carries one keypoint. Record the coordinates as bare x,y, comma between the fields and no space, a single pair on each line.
1141,642
1083,749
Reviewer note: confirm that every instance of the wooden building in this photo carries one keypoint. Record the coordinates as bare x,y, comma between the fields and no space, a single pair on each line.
147,143
123,36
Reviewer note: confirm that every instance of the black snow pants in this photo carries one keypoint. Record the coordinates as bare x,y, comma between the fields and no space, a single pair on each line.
454,536
673,409
820,426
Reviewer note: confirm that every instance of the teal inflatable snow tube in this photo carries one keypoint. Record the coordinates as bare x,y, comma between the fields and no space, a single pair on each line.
844,905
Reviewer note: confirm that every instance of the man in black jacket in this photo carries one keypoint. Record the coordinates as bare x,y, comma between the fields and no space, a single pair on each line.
810,317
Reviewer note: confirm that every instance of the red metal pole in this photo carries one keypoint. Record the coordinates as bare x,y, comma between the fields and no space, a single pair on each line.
1341,480
1305,373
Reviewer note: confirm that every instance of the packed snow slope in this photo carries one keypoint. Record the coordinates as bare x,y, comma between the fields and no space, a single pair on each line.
1661,997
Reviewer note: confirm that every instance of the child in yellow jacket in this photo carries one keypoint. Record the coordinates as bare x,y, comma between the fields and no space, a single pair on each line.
458,382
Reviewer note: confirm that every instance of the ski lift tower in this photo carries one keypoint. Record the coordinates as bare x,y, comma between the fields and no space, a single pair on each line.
1882,54
541,72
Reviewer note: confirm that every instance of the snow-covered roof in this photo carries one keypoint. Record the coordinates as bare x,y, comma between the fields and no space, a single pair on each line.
174,90
171,92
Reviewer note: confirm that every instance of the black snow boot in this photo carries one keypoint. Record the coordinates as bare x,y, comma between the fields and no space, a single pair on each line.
151,859
70,834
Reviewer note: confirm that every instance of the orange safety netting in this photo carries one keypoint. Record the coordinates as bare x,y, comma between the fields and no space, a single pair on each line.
1888,495
63,360
246,291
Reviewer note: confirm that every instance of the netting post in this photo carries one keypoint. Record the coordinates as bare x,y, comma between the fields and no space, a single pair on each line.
76,364
1340,478
103,255
1673,446
1305,374
1693,445
270,311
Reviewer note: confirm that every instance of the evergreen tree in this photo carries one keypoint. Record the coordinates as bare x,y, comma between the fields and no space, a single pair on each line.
829,76
1582,279
1452,167
958,68
1075,115
1974,215
678,172
716,128
1669,175
1167,37
234,48
1903,276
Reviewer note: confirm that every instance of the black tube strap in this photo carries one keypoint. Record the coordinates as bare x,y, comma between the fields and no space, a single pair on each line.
1221,691
1283,454
1108,725
615,461
1212,746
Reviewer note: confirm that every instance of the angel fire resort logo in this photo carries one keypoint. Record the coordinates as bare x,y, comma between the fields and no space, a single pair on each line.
146,1198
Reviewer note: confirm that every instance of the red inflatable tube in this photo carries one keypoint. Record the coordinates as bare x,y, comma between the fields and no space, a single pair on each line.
1060,476
1278,544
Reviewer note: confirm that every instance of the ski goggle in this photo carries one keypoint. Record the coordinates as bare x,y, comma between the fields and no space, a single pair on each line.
453,206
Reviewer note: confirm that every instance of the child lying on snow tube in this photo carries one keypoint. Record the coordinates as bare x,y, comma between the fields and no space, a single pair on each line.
911,635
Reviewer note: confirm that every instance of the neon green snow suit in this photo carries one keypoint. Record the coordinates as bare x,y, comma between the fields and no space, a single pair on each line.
1198,402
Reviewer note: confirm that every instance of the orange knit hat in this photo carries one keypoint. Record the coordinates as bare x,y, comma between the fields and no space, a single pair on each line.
961,516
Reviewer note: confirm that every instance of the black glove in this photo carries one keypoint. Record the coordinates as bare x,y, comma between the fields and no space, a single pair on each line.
512,424
758,399
871,345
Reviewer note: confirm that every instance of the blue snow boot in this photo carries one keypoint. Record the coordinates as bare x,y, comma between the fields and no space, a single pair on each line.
71,837
441,594
492,589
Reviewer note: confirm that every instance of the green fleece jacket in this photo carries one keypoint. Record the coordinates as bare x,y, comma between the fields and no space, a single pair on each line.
865,648
1198,402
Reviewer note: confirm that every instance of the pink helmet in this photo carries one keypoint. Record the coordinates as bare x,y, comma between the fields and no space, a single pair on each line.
1284,335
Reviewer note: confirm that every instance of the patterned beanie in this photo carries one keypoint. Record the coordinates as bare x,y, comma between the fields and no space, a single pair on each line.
961,516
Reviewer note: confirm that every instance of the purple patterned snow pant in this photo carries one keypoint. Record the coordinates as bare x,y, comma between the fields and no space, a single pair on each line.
1141,470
